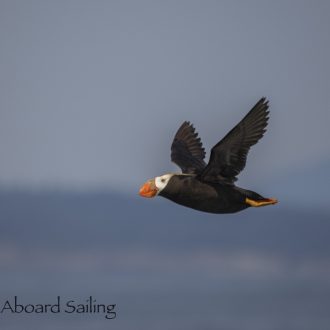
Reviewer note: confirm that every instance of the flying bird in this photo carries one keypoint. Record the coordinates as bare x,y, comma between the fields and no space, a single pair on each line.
211,187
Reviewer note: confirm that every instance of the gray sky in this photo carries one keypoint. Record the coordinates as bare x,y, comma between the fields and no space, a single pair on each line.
92,92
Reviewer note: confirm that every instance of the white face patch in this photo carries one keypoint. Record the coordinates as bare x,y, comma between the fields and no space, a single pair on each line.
162,181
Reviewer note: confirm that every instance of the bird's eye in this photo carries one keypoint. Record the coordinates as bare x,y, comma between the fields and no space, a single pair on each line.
162,180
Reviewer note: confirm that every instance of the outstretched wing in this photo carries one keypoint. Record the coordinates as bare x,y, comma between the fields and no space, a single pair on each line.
187,150
228,157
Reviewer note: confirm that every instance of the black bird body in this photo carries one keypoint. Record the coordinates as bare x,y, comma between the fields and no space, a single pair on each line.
190,191
210,187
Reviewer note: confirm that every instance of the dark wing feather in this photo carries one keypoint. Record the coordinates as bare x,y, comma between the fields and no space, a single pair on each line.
187,150
228,157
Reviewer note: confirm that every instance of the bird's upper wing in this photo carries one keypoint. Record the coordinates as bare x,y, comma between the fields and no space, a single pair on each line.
187,150
228,157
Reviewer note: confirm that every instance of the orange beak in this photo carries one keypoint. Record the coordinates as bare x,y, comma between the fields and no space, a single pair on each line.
149,189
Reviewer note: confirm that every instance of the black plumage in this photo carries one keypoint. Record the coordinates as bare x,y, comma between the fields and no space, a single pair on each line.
228,157
187,150
210,187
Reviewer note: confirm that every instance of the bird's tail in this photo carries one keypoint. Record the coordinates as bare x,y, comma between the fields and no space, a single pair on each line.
256,200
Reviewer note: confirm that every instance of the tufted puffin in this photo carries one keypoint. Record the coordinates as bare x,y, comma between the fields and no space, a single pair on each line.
210,187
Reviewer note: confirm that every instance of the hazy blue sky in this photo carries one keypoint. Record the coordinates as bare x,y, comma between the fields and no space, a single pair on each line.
92,92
